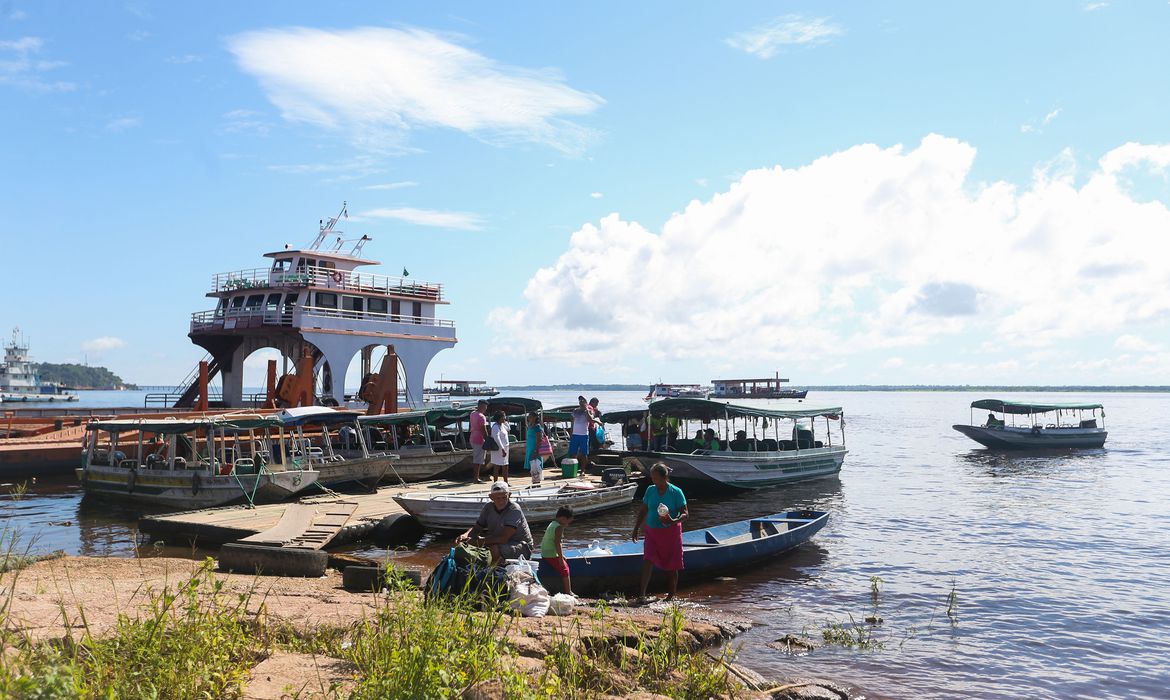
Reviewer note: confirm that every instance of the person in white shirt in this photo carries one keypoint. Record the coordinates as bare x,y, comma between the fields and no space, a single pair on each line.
499,433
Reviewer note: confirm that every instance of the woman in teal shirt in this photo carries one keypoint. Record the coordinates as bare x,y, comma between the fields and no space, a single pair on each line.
664,507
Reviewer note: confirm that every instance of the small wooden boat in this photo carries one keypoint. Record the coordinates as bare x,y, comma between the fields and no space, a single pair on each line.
770,446
459,511
340,456
1048,425
707,553
188,463
412,437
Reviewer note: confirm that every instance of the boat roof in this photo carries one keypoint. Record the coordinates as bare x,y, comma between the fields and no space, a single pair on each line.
460,381
303,415
320,254
1023,408
704,409
431,416
185,425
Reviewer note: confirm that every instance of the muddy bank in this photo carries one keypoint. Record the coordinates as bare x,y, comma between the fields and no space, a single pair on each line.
71,596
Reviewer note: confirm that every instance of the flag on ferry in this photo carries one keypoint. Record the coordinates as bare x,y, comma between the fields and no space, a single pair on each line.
405,273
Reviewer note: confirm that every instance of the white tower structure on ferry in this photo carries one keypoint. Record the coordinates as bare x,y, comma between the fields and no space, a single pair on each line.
319,301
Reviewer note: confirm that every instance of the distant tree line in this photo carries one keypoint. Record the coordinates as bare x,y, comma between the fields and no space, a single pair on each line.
81,376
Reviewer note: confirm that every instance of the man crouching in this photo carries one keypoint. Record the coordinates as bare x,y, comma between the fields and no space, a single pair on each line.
504,526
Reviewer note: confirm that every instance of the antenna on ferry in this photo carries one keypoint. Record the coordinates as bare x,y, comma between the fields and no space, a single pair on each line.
327,229
357,247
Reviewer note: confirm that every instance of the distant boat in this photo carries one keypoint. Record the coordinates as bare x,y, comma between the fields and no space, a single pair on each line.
676,391
707,553
784,445
462,388
761,388
1036,432
19,382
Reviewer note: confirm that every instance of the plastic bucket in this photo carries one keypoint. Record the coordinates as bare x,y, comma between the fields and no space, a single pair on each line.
568,467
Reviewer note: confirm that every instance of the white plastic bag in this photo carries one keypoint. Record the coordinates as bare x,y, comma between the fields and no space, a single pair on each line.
529,598
537,468
562,604
524,569
596,550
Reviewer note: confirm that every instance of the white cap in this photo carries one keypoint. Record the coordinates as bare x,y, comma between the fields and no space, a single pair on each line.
501,487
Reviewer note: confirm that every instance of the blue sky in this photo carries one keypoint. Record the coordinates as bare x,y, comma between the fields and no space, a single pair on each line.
849,193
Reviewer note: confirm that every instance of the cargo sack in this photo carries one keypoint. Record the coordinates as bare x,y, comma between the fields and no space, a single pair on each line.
528,598
473,557
562,604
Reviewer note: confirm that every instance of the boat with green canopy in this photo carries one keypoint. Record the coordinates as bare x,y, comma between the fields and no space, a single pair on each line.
1023,425
416,438
734,446
189,463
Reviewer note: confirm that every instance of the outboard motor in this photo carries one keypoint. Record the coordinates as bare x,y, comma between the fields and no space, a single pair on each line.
614,476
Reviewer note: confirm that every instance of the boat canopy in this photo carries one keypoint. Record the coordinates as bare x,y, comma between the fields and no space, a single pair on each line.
1020,408
186,425
320,415
512,405
706,410
430,416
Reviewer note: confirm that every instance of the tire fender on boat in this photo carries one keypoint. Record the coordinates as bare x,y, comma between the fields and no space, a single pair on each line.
196,483
132,480
272,561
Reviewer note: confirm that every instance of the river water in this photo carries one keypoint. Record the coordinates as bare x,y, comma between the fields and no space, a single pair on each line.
1055,567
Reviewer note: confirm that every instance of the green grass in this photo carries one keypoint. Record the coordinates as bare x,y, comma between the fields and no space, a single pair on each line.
195,640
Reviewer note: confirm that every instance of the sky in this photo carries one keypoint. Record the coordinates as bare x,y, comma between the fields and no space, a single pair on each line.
845,193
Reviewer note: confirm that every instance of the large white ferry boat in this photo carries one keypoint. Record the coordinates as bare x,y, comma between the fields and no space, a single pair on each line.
319,303
19,382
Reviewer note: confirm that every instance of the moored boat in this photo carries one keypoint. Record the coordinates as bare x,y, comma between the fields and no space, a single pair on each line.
1032,426
187,463
458,511
784,445
19,381
675,391
336,448
760,388
709,552
413,436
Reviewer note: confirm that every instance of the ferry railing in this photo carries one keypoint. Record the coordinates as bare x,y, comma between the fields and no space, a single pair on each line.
317,276
320,311
168,399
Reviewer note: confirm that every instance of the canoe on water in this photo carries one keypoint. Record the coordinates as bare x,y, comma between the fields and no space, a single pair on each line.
707,553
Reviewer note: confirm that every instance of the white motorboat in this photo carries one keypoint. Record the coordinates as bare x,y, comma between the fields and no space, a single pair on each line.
458,511
19,381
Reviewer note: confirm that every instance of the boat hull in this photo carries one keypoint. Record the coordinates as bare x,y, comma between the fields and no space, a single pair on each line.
540,504
367,471
707,553
422,463
191,489
1009,438
741,470
37,398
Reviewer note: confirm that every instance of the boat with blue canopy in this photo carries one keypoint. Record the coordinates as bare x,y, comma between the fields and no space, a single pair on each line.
735,446
707,553
1022,425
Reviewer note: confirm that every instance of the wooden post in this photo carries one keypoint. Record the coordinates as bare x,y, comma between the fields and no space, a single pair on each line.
201,404
270,396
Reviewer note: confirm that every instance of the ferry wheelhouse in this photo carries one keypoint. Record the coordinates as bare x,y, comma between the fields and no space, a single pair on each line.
734,447
320,302
1028,426
19,382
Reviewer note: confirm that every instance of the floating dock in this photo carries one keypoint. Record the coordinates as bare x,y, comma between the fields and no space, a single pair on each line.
374,515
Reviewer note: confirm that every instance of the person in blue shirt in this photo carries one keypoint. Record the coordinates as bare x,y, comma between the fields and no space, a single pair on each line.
664,507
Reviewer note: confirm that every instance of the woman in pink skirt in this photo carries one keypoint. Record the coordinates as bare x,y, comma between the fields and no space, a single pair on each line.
664,507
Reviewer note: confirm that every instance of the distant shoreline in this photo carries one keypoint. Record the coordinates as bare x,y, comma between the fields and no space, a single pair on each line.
1112,389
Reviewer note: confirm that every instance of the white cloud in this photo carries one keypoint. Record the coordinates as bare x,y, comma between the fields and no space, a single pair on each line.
245,120
392,185
20,66
17,15
596,195
139,35
119,124
1035,126
766,40
1050,116
461,220
1090,6
376,84
185,58
894,363
103,344
1133,343
865,249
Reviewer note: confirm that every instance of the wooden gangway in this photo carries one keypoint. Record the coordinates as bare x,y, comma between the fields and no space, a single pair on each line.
315,522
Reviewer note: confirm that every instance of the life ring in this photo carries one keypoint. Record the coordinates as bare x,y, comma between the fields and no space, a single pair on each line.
337,277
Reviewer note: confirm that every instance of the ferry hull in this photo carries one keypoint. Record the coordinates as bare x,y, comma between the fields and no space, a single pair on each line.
742,470
191,489
1008,438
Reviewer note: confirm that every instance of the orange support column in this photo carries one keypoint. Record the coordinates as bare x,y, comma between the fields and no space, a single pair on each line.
270,396
201,404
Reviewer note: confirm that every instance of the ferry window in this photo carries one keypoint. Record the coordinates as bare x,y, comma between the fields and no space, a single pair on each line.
327,300
219,308
377,306
237,302
300,264
255,301
328,265
281,265
351,303
273,302
416,310
395,307
290,300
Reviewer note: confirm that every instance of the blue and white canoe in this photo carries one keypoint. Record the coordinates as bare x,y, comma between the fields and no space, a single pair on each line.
714,551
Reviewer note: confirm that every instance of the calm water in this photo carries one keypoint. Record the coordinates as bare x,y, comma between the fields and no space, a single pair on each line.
1059,563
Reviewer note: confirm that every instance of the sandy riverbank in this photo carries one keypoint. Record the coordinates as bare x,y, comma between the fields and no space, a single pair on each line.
77,596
